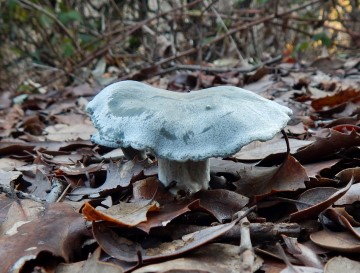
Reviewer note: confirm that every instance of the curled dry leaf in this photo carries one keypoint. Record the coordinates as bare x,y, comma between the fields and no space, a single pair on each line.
126,250
342,264
336,99
122,214
326,146
151,188
261,181
347,174
351,196
339,241
167,213
340,216
329,198
257,150
222,204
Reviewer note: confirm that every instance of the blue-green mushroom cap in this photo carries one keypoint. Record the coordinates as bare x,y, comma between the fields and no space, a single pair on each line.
212,122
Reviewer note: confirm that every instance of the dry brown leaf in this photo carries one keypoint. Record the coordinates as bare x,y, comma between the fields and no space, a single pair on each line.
219,258
91,265
64,132
318,199
326,146
339,241
261,181
336,99
167,213
126,250
59,232
122,214
342,264
222,204
258,150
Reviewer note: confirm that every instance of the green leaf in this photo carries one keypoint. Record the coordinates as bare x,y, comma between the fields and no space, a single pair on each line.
86,38
323,38
67,48
300,47
45,20
12,5
70,16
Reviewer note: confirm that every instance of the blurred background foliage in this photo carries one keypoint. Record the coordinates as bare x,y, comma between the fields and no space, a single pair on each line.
53,43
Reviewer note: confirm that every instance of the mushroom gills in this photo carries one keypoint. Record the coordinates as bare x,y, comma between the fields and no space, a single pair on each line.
190,176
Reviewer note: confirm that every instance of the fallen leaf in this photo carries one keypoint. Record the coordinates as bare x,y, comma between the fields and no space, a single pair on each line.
339,241
301,269
326,146
347,174
126,250
79,169
342,264
167,213
328,65
261,181
334,100
222,204
6,177
91,265
9,164
64,132
206,259
258,150
316,203
40,184
59,231
122,214
119,175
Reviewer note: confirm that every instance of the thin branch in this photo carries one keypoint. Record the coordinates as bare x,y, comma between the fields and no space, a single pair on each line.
234,30
230,36
52,16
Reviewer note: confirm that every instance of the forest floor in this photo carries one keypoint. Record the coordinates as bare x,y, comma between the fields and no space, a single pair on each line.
68,205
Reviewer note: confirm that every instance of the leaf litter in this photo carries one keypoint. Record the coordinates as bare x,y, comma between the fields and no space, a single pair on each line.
113,215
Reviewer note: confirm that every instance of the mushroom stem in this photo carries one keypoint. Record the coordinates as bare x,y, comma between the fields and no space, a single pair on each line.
190,176
130,153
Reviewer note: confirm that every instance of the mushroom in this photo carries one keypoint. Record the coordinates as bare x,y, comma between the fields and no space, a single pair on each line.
184,129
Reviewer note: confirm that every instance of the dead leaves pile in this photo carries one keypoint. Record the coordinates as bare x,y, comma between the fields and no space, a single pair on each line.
70,206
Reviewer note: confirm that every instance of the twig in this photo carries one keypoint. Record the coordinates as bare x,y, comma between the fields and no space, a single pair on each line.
20,194
52,16
227,30
57,188
102,50
218,69
247,255
234,30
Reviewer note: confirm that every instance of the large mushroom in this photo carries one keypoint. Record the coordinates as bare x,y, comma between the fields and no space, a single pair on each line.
184,129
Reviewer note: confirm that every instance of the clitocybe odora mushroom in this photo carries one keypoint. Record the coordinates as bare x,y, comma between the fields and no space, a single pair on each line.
184,129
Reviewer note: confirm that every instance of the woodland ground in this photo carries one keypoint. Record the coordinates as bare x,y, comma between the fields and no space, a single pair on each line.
285,205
